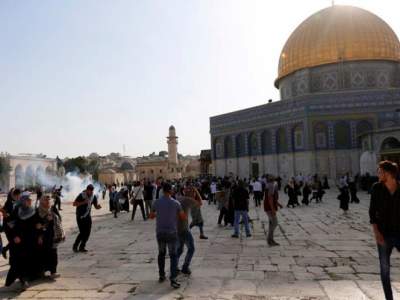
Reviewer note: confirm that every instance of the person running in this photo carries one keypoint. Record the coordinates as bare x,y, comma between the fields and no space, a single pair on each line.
83,204
240,197
184,235
384,213
166,210
271,206
197,217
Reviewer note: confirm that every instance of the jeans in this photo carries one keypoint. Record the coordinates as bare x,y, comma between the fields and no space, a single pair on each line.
148,205
245,219
85,227
186,238
273,223
169,240
384,260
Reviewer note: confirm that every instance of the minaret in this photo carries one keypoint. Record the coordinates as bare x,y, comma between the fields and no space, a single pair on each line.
172,146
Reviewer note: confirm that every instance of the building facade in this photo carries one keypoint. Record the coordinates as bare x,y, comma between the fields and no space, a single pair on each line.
339,82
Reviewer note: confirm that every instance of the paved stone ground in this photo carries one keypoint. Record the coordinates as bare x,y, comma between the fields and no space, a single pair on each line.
323,255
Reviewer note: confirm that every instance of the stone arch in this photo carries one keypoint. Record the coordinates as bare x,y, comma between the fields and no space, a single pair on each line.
266,142
342,135
30,177
40,175
281,141
320,135
229,149
298,137
126,165
19,176
253,144
240,145
361,128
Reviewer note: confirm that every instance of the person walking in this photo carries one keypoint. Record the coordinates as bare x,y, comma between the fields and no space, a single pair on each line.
83,204
257,192
384,213
344,197
213,190
241,206
271,206
166,210
138,200
291,191
148,197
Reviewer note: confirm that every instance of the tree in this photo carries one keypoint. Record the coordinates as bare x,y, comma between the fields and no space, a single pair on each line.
77,164
5,169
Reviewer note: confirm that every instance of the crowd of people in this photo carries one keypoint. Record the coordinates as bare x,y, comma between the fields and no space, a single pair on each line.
35,230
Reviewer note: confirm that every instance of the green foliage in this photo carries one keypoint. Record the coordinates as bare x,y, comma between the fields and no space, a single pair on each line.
78,164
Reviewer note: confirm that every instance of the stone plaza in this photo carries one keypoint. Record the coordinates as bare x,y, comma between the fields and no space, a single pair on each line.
323,255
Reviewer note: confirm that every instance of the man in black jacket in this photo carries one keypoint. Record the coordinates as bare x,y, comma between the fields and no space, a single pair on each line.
241,206
384,215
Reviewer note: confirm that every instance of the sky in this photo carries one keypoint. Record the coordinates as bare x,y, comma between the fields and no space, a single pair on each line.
83,76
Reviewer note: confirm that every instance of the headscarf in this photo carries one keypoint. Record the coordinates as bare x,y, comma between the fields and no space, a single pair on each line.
25,212
43,212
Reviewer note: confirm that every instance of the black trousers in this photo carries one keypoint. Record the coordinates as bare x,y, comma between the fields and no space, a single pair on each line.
223,213
135,205
57,202
85,227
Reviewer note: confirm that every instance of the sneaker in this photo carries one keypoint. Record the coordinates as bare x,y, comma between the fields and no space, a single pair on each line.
203,237
75,249
175,284
83,250
273,244
161,279
248,235
186,271
235,236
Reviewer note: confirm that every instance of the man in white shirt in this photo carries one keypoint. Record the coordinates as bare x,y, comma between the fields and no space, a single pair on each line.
257,190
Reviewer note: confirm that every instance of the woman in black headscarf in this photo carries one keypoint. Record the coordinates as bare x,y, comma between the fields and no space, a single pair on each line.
50,233
22,242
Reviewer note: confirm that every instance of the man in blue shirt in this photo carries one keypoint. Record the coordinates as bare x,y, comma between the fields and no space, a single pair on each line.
167,210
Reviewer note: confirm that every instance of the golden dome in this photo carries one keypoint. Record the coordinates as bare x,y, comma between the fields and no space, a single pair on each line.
335,34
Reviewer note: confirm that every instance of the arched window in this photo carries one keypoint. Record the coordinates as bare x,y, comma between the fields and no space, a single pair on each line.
390,143
342,135
362,127
219,148
266,142
320,136
253,144
229,150
281,141
298,137
19,177
240,145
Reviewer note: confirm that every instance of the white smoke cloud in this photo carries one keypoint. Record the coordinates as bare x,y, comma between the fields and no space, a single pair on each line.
73,183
